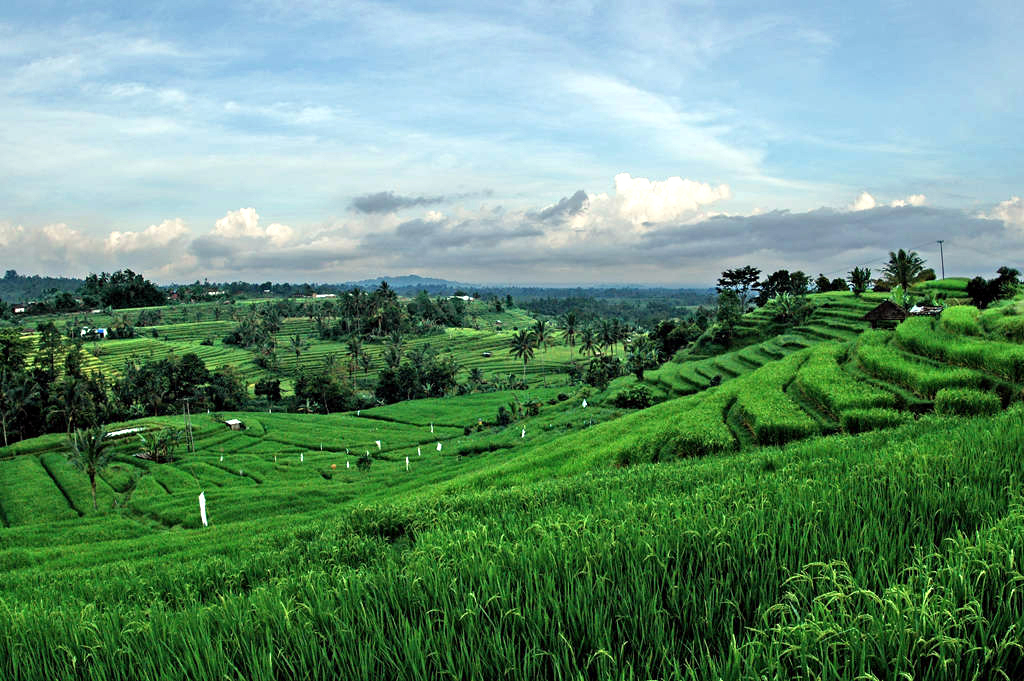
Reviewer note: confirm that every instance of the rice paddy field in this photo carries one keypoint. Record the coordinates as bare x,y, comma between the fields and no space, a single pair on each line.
846,504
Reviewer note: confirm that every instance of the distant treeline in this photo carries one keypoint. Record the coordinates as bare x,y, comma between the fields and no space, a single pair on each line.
646,312
19,288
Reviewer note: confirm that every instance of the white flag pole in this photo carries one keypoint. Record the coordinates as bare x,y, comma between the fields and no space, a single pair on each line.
406,463
438,446
419,452
202,508
523,434
302,457
431,427
378,444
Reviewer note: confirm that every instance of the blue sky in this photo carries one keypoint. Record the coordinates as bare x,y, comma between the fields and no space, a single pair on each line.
335,140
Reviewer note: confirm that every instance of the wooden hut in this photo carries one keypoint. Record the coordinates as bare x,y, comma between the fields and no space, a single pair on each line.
888,313
234,424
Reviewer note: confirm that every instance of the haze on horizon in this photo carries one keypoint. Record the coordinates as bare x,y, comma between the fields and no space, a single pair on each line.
658,143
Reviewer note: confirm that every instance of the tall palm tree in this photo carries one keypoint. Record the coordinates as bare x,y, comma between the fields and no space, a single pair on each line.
521,346
589,342
607,335
355,351
570,325
89,453
904,267
541,337
298,345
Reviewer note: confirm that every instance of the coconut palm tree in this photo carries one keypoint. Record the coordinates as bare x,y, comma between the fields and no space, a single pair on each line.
298,345
904,267
541,336
521,346
570,325
355,350
89,453
589,344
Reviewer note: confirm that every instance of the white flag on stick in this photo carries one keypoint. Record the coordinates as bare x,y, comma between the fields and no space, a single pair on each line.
222,457
419,452
431,427
302,457
202,508
406,463
438,446
348,464
523,434
584,403
378,443
358,412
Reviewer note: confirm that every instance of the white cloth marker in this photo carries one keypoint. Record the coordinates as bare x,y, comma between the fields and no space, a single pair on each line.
202,508
431,428
222,457
523,434
406,463
584,404
302,457
438,446
419,452
348,464
378,443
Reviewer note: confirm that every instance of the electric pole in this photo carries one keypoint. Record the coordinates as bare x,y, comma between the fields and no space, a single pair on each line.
942,261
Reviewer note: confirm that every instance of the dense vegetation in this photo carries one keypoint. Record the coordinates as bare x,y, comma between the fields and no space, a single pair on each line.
789,495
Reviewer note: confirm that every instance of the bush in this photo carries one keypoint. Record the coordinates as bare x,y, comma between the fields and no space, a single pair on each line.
636,397
862,420
966,402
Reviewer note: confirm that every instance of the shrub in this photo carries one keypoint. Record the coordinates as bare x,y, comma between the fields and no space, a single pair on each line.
961,319
966,402
636,397
862,420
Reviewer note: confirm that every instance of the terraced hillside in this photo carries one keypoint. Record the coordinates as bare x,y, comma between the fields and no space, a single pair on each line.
835,509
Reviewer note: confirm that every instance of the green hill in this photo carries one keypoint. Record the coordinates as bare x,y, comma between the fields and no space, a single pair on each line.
845,504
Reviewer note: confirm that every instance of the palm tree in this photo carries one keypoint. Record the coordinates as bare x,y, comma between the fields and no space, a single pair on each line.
541,336
607,335
521,346
860,278
89,453
904,267
589,342
355,350
569,325
298,345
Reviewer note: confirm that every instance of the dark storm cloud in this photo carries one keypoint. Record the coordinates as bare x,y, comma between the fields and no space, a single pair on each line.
564,208
389,202
423,237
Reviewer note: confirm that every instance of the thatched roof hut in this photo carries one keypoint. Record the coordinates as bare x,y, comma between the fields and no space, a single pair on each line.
887,312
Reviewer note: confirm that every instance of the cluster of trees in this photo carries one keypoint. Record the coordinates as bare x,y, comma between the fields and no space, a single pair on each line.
123,288
984,292
53,393
644,312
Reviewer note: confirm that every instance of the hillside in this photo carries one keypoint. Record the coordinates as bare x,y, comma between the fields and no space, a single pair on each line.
846,503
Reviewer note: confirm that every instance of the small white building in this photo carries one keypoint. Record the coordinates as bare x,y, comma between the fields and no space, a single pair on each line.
325,295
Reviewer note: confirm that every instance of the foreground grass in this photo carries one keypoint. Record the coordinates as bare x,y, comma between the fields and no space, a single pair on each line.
881,555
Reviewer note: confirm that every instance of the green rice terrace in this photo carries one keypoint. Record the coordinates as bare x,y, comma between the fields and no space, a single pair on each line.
830,502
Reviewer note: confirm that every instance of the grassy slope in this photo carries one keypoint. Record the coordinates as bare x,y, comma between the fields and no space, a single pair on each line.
543,557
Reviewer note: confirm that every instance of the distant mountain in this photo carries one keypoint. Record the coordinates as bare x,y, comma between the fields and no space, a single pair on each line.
411,281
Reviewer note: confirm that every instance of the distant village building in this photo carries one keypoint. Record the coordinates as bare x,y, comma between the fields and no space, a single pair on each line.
325,295
19,309
234,424
215,293
466,298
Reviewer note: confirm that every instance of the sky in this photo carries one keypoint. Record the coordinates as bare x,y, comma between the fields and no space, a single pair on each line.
517,143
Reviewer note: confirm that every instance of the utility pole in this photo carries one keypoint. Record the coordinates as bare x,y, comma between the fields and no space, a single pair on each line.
942,261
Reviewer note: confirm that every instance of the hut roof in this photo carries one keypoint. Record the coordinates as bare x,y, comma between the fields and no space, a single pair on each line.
886,311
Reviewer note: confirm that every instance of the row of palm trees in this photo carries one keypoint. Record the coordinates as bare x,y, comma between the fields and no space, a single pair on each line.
593,339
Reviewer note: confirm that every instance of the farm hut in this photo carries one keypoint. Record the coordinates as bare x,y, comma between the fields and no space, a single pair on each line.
234,424
888,312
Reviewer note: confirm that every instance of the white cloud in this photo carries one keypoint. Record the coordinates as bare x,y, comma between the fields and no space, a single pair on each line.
638,202
1010,212
863,202
245,223
154,236
912,200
